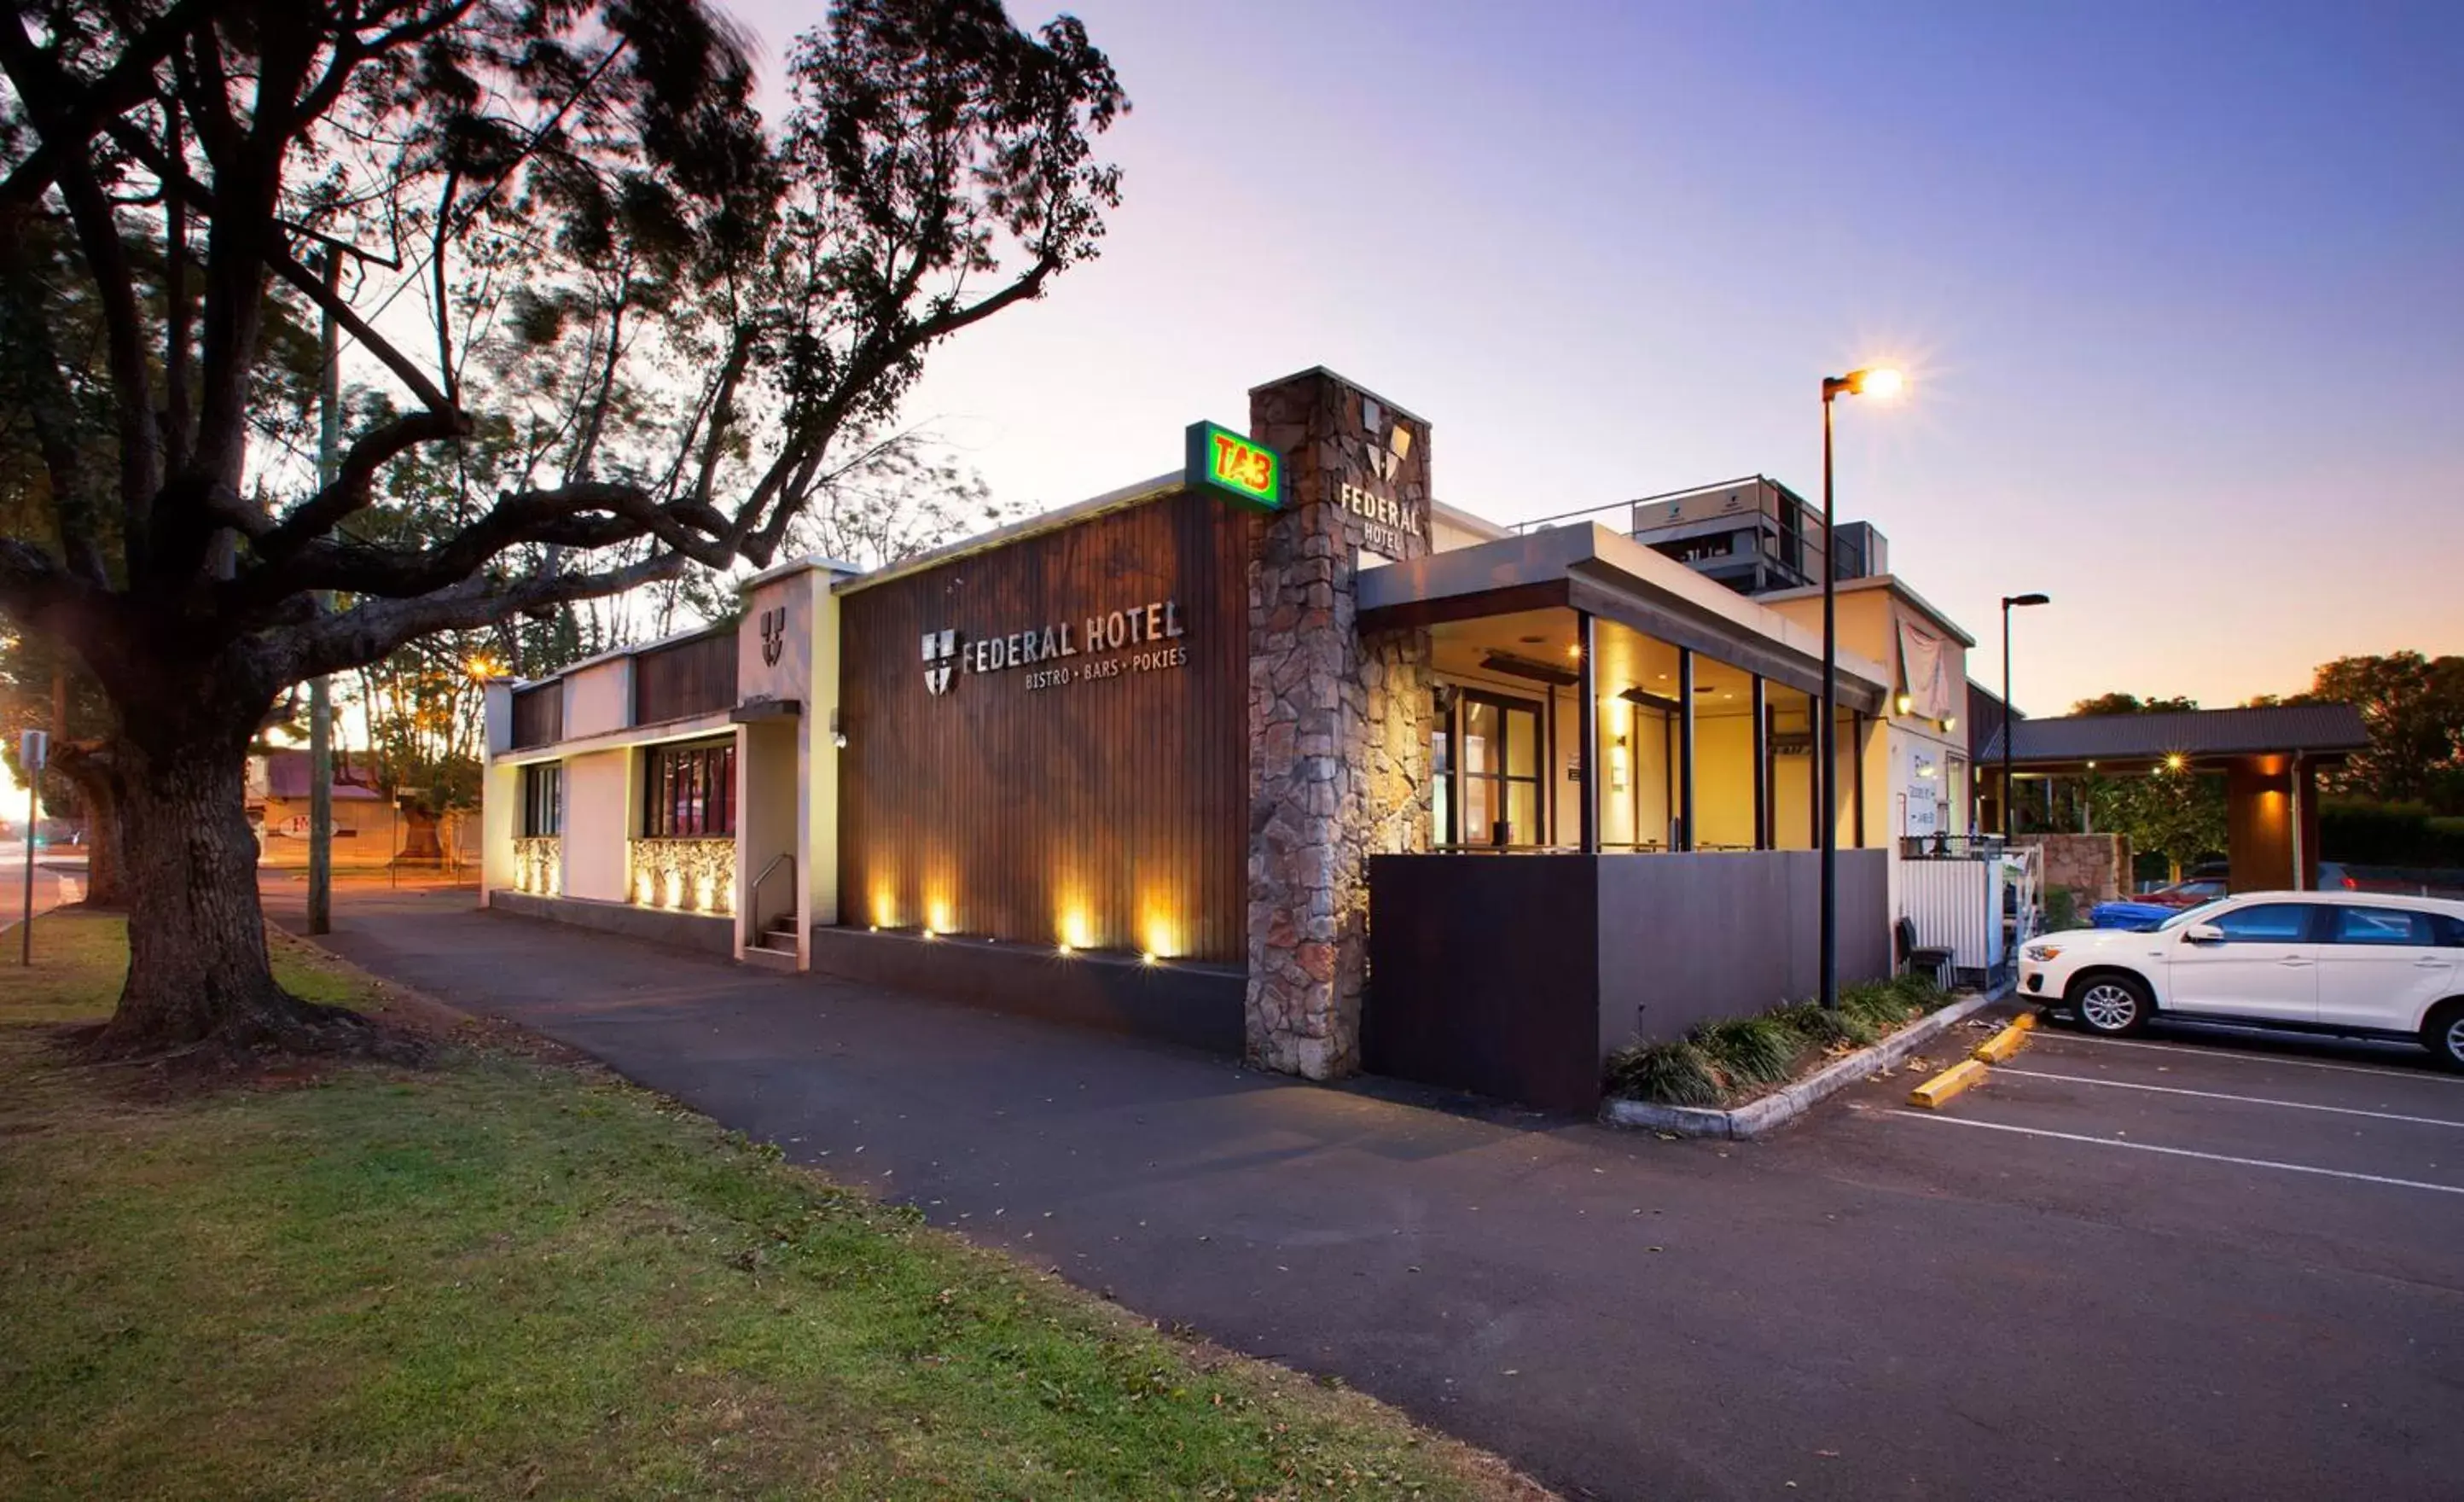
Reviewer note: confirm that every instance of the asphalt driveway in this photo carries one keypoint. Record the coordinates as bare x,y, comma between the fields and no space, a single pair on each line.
1869,1306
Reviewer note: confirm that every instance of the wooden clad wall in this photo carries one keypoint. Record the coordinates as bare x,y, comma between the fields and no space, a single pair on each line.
692,676
538,714
1118,803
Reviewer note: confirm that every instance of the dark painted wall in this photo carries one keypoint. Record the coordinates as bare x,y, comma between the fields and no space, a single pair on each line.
997,809
1515,976
692,676
1189,1003
1484,975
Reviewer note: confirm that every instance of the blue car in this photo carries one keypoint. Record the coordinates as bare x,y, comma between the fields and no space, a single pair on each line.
2152,908
2129,915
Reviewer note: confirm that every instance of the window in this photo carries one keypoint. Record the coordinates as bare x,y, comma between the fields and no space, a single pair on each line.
2268,923
1501,771
2451,931
688,791
1441,771
543,799
2382,926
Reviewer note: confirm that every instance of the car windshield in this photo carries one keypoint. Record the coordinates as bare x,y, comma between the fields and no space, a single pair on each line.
2186,915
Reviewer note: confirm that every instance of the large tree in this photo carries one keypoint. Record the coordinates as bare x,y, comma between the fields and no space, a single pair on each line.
2119,703
563,223
2177,813
2415,708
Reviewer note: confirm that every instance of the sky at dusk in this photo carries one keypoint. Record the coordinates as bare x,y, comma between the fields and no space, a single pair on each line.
2181,287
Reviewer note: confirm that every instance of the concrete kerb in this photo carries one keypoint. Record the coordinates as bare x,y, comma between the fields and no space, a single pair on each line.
1756,1117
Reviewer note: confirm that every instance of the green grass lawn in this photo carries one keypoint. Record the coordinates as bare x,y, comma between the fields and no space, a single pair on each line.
504,1277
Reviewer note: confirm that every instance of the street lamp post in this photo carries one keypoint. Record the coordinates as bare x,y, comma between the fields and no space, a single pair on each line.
2010,718
1878,382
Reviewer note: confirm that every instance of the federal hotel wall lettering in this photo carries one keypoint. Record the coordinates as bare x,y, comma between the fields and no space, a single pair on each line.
1141,639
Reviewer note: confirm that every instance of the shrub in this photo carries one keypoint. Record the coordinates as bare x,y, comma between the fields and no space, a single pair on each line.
1825,1028
2360,832
2061,909
1704,1067
1888,1004
1749,1051
1670,1073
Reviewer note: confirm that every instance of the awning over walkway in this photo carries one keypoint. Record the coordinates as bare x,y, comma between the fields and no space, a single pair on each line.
1588,567
2118,741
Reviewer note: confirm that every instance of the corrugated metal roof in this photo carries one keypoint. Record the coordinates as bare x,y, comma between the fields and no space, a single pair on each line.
2192,733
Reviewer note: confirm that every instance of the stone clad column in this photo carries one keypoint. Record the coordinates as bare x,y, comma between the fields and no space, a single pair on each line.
1338,742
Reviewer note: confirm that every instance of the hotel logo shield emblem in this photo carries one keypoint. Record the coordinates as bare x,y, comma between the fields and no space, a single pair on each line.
774,635
940,659
1387,461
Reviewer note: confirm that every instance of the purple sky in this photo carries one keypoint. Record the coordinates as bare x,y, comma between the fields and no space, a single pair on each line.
2181,293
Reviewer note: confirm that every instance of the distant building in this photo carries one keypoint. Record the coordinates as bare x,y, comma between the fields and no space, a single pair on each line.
1754,535
366,827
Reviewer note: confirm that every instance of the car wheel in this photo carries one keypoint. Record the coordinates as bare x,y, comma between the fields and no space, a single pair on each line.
2112,1005
2444,1034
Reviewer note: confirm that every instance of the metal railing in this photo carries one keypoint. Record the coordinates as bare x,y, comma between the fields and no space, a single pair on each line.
1950,847
753,897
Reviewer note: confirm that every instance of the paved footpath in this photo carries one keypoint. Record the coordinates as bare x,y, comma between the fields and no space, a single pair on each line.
1869,1306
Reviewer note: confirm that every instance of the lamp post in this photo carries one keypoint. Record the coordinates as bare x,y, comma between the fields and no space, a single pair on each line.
1876,382
2010,718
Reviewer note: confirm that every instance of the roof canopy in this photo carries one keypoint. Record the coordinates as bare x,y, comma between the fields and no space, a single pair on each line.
2317,730
1586,566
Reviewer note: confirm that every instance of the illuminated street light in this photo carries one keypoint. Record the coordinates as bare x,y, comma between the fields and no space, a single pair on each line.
1880,381
2010,725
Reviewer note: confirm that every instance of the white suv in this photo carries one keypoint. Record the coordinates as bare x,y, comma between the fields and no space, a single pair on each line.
2323,961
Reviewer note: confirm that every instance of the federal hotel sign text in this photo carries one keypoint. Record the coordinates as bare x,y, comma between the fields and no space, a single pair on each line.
1142,638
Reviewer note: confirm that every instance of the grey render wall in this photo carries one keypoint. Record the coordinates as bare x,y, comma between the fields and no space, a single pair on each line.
1691,938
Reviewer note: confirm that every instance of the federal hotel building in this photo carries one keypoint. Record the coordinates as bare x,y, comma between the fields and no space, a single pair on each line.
1271,755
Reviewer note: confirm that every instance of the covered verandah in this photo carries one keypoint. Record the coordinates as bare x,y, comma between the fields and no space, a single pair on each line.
1623,816
1593,696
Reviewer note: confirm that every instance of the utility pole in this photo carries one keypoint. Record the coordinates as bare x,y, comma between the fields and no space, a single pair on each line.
320,689
34,749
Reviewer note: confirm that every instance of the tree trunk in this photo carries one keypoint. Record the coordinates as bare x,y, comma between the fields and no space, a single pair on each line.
420,844
106,886
198,973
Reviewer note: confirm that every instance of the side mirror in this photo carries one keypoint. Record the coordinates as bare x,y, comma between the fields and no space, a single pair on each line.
2203,934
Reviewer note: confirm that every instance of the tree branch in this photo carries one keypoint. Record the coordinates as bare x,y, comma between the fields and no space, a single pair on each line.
354,484
127,83
367,631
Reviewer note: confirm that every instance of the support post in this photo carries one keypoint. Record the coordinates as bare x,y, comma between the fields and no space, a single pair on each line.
26,921
2010,731
2293,807
1587,722
1826,817
1763,840
320,689
1685,749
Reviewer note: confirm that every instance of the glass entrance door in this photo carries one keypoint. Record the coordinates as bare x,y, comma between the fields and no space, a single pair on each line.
1501,771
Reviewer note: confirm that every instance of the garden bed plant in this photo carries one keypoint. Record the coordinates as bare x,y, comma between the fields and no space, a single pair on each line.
1724,1064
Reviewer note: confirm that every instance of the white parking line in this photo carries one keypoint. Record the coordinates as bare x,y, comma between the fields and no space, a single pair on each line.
2180,1152
2214,1094
2429,1076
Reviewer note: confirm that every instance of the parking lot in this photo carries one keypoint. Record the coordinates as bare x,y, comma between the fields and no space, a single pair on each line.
2336,1154
2351,1113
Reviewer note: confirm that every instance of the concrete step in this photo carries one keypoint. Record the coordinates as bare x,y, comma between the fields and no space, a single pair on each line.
783,961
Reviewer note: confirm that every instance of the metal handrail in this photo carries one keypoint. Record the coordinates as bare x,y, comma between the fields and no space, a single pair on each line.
752,895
